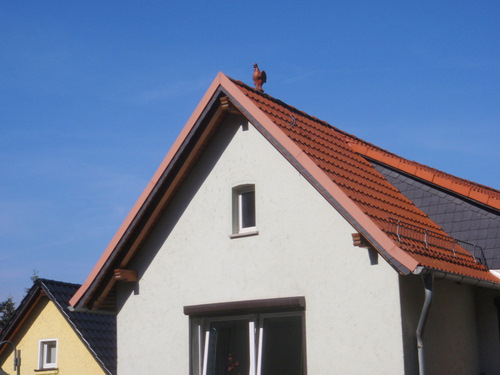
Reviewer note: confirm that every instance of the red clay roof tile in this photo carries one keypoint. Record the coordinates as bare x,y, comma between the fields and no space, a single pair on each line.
342,157
494,202
480,193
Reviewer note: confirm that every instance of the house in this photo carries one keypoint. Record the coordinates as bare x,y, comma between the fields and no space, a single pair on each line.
54,340
270,242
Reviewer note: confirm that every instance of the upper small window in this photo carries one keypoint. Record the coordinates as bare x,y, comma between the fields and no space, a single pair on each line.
48,354
244,217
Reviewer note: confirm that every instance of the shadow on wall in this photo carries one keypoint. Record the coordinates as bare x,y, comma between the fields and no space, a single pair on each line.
202,168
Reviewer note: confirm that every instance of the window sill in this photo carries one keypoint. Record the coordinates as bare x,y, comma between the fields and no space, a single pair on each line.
244,234
53,370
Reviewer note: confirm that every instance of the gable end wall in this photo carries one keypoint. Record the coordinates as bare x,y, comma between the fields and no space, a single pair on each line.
304,248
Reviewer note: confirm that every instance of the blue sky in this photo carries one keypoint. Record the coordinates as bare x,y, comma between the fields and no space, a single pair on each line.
93,94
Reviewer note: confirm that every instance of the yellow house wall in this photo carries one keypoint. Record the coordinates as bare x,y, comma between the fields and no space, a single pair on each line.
46,322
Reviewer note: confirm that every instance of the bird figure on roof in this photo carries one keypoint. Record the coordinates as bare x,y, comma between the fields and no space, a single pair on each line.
259,77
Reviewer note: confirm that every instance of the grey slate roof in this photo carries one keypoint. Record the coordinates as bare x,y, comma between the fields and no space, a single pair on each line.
461,217
97,331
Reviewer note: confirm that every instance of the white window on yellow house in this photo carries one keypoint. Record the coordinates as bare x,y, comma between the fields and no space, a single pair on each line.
47,354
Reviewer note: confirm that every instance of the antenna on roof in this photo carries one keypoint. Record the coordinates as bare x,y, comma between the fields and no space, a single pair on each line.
259,77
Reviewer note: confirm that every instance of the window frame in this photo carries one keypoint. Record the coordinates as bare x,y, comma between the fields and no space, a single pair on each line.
255,313
204,338
42,354
238,210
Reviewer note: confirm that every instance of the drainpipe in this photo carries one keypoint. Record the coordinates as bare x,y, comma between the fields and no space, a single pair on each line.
428,279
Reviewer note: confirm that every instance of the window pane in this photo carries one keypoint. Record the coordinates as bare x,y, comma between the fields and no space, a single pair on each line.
248,209
51,352
282,346
228,348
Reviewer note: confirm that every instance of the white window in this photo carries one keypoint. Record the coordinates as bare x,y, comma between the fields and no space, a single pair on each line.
47,354
257,343
244,214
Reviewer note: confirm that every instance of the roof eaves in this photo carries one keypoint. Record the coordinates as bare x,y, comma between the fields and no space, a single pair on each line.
462,279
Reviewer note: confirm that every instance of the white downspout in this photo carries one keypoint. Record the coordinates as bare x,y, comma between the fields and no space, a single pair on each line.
428,279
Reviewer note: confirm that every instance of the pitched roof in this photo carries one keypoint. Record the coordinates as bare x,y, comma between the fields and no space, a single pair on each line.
332,150
97,331
339,165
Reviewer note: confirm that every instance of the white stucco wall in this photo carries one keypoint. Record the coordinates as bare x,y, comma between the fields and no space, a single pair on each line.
304,248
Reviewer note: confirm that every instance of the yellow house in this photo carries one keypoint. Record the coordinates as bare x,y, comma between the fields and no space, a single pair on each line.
54,340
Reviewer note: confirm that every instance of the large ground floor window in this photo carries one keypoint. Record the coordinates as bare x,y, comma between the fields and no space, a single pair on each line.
264,337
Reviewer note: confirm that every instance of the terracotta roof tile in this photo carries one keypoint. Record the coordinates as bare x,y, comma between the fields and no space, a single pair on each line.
341,156
481,193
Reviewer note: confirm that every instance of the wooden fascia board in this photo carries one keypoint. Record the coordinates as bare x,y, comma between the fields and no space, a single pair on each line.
359,240
402,261
80,299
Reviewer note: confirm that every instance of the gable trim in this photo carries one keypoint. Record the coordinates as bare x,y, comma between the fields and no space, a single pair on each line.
97,275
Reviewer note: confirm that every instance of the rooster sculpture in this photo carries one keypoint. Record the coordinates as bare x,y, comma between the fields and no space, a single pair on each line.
259,77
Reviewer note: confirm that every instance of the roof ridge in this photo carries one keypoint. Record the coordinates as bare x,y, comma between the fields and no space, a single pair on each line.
44,280
291,107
